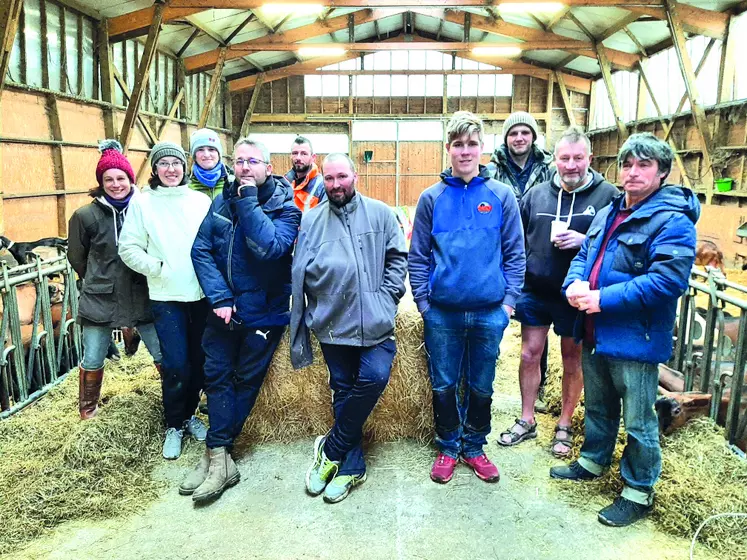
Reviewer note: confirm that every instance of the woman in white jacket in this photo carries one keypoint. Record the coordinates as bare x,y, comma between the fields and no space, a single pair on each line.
156,241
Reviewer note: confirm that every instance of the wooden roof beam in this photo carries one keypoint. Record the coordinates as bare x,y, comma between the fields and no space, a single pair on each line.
618,59
694,20
10,13
208,59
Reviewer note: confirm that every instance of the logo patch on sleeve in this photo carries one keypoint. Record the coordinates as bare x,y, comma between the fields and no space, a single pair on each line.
484,208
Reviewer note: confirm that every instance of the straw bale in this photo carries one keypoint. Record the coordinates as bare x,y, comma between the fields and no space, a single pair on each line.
296,404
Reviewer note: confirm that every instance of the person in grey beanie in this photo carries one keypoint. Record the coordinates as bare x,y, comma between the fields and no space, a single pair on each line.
209,173
521,164
156,241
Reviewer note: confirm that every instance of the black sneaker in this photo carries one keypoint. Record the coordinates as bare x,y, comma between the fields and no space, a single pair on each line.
574,471
623,512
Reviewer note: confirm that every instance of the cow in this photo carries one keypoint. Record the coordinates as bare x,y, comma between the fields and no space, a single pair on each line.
707,254
23,251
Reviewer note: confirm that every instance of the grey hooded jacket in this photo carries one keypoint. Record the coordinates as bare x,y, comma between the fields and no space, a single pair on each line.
348,276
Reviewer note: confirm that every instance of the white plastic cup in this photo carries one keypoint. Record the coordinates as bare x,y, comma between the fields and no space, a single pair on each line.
557,227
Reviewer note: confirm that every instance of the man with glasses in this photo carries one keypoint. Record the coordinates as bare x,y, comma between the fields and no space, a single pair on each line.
242,256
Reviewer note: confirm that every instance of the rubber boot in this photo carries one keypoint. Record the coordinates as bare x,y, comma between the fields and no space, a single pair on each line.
89,391
197,476
222,474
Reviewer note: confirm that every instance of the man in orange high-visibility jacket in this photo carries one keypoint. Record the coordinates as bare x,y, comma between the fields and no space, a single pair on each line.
307,182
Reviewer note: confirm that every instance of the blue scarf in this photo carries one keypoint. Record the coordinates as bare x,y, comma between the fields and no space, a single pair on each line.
120,204
209,178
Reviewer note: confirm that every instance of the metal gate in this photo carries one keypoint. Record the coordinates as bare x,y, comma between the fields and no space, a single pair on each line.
711,346
27,371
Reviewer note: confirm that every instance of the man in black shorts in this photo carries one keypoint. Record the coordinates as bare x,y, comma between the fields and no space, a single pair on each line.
556,215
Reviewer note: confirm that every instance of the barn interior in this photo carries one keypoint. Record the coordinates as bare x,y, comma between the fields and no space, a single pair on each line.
378,80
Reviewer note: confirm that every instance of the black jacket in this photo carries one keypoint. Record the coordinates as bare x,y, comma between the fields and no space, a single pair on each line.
112,294
546,264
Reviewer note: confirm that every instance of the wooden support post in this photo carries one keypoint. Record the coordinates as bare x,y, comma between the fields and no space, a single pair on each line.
106,64
604,64
550,95
640,106
678,160
150,135
566,98
10,13
592,105
244,130
696,106
141,174
444,99
726,68
213,89
55,129
141,80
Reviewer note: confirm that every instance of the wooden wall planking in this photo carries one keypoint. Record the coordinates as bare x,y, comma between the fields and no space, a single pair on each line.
29,205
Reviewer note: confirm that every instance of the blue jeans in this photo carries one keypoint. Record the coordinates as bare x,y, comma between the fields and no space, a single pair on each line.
465,341
236,363
357,377
96,342
180,326
608,383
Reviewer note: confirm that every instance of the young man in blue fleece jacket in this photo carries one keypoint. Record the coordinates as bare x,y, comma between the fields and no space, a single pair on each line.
466,266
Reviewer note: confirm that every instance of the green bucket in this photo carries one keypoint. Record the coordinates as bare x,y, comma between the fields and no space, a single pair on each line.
724,185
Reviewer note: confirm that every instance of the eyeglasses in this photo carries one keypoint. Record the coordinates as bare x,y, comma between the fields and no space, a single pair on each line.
250,161
166,164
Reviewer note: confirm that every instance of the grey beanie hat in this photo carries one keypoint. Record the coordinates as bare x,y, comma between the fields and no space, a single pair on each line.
520,117
205,138
164,149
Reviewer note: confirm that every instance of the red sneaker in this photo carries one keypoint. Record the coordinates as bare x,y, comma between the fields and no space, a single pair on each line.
443,469
483,467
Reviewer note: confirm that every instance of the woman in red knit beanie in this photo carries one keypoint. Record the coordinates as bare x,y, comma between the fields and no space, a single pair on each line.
112,295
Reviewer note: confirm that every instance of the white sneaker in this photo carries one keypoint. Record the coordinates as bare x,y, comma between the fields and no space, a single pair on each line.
172,445
196,427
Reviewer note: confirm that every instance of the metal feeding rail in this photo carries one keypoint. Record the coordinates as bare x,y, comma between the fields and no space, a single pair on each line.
28,371
708,353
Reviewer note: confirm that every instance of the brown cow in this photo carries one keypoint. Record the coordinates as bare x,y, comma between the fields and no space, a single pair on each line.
707,254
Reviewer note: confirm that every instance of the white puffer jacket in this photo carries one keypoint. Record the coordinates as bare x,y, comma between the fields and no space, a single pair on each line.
157,238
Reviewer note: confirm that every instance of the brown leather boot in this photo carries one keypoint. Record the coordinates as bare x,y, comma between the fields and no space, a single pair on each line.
222,474
89,391
197,476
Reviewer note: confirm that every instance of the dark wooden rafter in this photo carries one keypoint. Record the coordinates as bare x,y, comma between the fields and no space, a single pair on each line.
10,14
195,32
212,90
557,17
696,106
571,17
619,26
141,80
636,42
240,27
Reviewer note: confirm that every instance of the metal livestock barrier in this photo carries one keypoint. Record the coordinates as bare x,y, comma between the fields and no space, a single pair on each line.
28,370
712,354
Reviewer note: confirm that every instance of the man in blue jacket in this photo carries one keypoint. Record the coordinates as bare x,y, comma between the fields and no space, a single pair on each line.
625,281
348,277
242,256
466,267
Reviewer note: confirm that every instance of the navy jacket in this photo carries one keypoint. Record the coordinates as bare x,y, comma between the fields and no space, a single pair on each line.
243,252
467,247
645,269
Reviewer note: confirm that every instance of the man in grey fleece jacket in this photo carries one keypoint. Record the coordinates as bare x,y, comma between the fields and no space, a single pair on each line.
348,277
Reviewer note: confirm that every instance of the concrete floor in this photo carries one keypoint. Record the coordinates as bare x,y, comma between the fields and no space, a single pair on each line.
398,513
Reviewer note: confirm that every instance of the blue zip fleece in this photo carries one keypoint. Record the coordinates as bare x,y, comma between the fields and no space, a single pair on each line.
467,248
243,251
645,269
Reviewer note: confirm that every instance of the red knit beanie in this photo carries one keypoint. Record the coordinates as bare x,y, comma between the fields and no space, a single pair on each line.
112,158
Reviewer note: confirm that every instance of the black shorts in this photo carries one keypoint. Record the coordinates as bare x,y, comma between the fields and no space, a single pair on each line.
533,310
